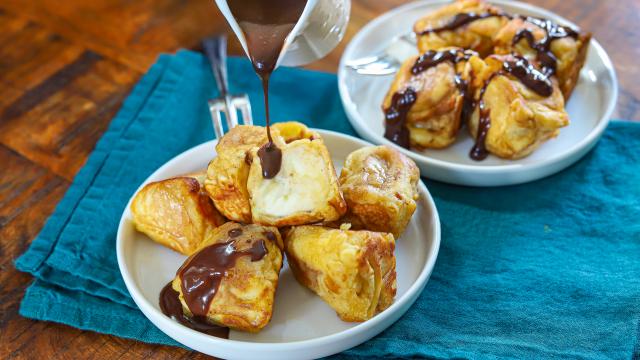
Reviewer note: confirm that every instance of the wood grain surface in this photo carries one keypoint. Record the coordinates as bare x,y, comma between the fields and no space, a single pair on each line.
66,66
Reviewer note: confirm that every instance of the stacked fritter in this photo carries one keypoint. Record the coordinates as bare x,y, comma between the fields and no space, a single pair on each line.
506,76
236,225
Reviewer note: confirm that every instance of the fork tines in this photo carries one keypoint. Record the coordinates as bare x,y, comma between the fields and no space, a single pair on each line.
229,106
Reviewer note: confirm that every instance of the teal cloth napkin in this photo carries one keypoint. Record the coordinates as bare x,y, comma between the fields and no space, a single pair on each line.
546,269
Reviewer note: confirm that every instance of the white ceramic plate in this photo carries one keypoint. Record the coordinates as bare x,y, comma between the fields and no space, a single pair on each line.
303,326
589,108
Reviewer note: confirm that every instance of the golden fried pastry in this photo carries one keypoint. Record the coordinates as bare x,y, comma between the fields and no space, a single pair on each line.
428,98
304,190
231,280
379,185
519,107
227,173
292,130
176,213
352,271
468,24
558,50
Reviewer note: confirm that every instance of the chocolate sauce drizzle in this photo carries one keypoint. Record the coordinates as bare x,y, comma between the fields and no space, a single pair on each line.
270,236
544,55
200,278
202,274
171,306
233,233
538,81
270,159
432,58
553,31
479,151
460,20
401,102
527,74
467,99
266,25
396,116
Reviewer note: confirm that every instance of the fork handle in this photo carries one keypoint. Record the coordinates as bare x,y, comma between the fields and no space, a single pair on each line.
216,50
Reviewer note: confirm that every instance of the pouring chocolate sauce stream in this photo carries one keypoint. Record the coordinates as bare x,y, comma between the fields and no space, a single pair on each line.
401,101
265,25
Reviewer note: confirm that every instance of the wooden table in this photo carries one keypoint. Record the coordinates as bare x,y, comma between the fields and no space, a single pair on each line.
66,66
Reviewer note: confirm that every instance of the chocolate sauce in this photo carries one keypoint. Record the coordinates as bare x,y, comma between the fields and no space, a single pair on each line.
234,232
266,25
202,274
553,31
544,55
270,159
467,99
460,20
270,236
396,116
479,151
527,74
171,306
432,58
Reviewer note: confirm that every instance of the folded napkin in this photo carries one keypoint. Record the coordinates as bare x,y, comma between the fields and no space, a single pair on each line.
546,269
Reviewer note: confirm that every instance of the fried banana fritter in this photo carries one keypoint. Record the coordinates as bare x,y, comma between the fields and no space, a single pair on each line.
227,173
477,35
304,191
176,213
231,280
434,118
352,271
380,186
565,54
292,130
520,119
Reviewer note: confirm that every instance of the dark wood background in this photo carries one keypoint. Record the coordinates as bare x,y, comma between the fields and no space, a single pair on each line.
66,66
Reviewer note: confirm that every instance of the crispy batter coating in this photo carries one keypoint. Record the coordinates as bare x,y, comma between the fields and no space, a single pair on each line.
570,53
380,186
304,191
292,130
176,213
244,299
227,173
476,35
352,271
521,120
434,119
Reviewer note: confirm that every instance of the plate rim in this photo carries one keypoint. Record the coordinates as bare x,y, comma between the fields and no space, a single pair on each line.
400,305
357,122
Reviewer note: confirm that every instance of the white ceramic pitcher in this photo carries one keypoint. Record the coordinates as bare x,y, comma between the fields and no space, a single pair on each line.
320,28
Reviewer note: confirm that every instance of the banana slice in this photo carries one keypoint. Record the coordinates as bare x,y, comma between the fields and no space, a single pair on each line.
304,191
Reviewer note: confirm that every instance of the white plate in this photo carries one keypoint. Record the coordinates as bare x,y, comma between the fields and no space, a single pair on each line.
303,326
589,108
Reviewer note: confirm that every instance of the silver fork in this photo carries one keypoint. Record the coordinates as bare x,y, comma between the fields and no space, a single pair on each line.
215,49
387,61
